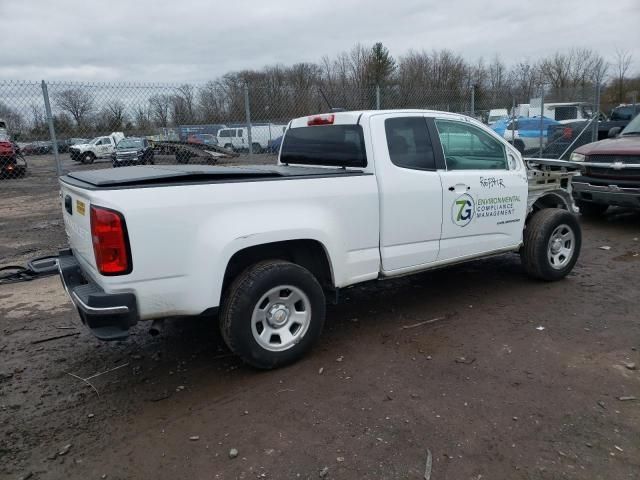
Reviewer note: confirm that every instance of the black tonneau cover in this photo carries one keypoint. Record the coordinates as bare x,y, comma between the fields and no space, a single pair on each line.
157,175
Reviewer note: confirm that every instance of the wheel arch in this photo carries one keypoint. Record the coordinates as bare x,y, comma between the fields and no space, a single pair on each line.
551,199
308,253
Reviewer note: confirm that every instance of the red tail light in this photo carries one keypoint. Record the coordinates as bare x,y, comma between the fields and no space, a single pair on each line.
567,132
110,241
321,120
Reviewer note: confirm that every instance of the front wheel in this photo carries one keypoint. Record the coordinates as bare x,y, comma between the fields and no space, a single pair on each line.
88,157
273,313
552,241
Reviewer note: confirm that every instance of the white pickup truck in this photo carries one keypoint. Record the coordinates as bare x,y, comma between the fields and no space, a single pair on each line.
99,147
355,197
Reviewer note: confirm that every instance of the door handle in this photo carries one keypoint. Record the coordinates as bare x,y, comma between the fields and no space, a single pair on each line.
458,187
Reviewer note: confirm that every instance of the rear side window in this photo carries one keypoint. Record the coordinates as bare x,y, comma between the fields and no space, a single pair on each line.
409,143
330,145
566,113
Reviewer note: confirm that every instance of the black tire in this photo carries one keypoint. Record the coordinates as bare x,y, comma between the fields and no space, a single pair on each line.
256,148
590,209
88,157
242,298
537,244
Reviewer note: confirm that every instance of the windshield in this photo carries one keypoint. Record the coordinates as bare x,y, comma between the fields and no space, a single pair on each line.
633,128
130,143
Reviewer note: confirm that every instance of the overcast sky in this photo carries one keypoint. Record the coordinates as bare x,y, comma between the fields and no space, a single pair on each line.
198,40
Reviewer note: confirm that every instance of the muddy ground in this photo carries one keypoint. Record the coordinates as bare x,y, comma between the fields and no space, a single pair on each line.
519,380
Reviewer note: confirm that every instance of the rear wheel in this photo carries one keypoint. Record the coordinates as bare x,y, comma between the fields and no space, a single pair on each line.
590,209
552,241
273,313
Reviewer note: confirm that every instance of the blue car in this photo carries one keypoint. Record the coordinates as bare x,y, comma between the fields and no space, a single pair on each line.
524,132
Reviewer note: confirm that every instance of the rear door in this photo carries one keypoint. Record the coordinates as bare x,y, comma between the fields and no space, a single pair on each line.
410,190
485,191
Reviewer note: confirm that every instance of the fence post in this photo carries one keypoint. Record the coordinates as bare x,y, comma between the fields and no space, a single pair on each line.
513,121
52,130
541,120
377,97
247,111
473,100
596,113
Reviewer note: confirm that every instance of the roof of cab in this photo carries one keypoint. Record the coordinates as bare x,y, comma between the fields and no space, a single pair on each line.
354,117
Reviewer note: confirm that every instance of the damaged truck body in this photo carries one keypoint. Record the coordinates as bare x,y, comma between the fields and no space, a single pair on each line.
355,197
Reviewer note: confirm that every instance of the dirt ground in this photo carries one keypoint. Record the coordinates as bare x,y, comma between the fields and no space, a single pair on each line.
519,380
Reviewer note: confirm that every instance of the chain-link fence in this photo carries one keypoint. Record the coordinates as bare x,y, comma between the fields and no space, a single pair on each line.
63,126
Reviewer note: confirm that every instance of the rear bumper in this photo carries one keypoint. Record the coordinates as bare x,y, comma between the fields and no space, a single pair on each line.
108,315
618,195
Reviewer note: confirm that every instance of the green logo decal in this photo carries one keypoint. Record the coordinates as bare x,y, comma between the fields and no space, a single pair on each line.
463,210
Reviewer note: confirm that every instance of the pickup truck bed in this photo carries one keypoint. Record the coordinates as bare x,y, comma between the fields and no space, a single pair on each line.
172,175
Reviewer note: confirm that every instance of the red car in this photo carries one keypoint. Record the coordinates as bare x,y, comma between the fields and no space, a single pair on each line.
10,165
611,171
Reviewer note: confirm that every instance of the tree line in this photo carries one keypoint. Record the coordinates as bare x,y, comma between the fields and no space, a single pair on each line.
360,78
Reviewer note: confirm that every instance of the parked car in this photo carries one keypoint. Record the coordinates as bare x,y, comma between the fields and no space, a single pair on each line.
202,139
611,171
356,196
11,165
274,145
132,151
99,147
565,138
238,138
524,132
38,148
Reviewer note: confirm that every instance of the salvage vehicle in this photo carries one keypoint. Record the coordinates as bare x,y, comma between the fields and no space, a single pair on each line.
99,147
565,138
132,151
355,197
610,171
12,163
524,132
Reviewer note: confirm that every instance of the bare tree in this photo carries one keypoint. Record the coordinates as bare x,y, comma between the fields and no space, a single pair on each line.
78,102
114,115
623,63
160,106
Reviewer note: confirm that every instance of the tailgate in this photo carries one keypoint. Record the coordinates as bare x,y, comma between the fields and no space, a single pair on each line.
77,223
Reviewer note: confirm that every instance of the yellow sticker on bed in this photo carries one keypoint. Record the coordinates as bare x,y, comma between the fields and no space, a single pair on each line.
80,207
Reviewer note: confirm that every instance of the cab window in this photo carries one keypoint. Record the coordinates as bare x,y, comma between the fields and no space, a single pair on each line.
467,147
409,143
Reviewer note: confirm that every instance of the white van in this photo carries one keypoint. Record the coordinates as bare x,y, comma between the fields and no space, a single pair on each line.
565,112
496,114
238,138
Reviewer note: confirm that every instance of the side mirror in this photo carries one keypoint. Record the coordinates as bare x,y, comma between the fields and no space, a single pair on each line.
613,132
